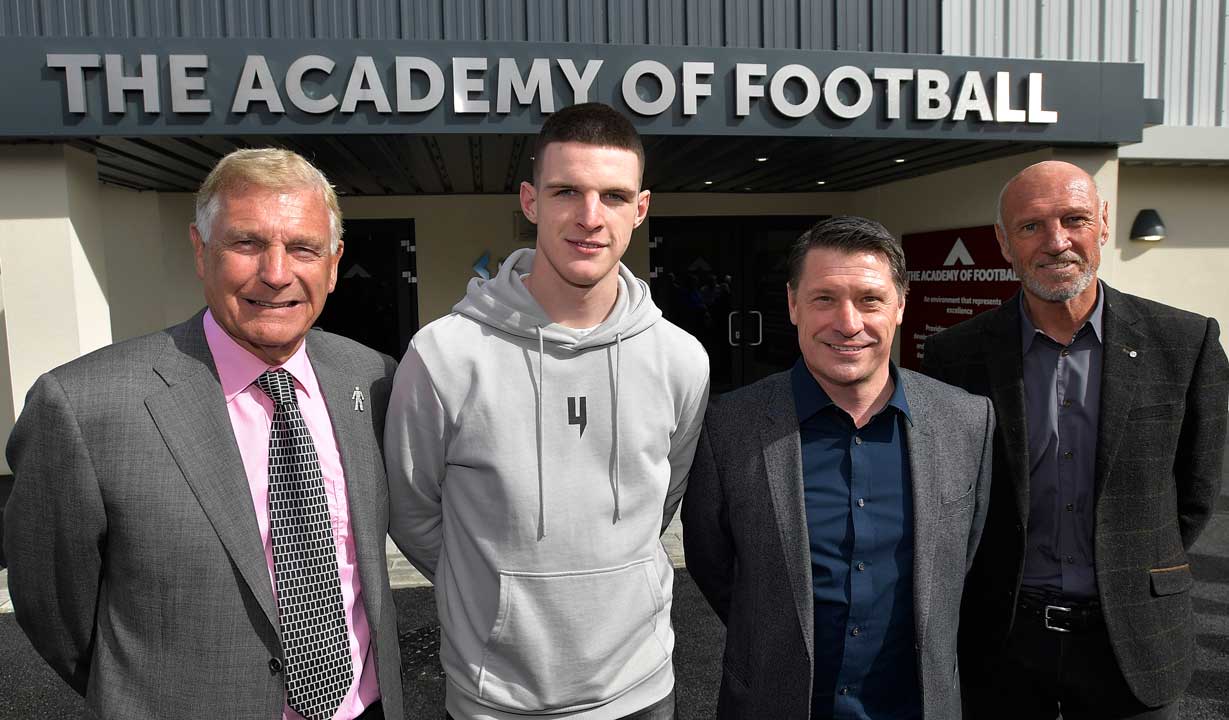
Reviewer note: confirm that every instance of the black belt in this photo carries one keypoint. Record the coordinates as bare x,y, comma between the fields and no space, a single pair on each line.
1058,614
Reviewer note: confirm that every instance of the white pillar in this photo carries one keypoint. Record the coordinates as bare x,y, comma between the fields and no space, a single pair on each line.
52,268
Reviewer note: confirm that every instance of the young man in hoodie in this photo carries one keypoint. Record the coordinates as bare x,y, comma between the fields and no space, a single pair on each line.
538,442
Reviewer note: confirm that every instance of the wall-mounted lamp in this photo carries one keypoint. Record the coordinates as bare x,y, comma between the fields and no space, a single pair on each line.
1148,226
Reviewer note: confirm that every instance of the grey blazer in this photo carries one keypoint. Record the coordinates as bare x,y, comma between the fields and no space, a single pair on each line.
745,535
135,563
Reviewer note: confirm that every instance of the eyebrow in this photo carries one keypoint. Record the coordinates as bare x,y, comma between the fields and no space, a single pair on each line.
623,190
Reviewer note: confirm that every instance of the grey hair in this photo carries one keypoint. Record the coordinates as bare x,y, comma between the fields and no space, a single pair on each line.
270,169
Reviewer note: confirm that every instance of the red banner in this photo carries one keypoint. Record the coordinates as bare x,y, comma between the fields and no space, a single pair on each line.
953,275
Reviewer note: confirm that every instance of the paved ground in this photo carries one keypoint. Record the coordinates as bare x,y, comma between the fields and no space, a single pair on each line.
28,689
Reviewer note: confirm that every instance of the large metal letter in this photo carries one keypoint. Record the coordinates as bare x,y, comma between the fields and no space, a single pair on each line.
74,65
294,84
256,85
144,82
183,84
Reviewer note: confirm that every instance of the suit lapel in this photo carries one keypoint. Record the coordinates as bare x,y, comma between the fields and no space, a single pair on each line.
1119,373
191,416
356,446
783,466
923,448
1005,365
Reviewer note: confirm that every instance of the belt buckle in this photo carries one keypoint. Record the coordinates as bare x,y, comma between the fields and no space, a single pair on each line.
1057,609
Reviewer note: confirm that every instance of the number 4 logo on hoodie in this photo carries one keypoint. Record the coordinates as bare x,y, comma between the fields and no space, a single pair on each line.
575,418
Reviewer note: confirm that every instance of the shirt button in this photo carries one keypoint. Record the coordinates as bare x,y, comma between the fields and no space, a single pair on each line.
861,566
857,440
275,665
1070,507
1065,352
1067,403
844,691
856,631
861,502
1068,455
1070,559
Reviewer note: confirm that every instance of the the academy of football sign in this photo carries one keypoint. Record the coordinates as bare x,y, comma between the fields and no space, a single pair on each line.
234,87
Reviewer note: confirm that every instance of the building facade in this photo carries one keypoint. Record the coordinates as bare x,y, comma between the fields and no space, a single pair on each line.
759,117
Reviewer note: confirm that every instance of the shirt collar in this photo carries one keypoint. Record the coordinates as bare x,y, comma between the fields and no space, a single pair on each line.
810,398
238,368
1029,331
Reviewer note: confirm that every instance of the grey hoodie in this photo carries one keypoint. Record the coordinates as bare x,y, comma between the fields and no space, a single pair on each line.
532,468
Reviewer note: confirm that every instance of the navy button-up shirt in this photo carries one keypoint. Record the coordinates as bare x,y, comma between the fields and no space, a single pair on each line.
859,508
1062,400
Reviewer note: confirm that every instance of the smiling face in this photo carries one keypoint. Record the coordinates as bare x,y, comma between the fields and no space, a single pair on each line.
586,203
1053,227
267,268
847,308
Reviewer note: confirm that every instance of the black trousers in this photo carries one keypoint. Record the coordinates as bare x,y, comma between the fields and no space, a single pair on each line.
1042,673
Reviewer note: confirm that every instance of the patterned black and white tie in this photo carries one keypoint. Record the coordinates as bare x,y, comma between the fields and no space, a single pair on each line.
319,671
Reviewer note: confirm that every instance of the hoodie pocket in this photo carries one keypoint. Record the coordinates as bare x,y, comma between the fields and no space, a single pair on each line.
564,641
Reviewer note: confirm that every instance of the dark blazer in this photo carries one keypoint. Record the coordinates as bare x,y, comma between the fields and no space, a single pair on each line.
135,564
1164,394
745,535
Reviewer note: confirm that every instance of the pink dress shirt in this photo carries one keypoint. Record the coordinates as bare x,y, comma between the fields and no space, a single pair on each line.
251,417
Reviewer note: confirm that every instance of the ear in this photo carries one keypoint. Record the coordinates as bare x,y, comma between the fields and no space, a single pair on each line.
333,263
198,248
529,201
900,310
1105,222
1004,248
792,300
642,207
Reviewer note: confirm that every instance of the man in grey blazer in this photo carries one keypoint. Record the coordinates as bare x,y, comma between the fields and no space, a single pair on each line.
1111,415
168,534
834,509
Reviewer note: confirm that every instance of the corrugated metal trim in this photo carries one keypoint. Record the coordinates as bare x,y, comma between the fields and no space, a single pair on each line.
884,25
1182,43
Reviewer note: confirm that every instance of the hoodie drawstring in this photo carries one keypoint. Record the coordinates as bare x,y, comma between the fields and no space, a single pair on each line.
618,351
541,390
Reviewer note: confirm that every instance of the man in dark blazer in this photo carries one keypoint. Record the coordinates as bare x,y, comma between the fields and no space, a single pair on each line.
1107,462
833,510
147,529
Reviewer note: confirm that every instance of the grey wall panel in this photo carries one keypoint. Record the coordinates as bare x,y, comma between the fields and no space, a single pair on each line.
1181,43
667,23
705,23
869,25
1203,66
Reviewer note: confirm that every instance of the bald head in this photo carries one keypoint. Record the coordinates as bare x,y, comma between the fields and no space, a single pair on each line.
1051,227
1040,178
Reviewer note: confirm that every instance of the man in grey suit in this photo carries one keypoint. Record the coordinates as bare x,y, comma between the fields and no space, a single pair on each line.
1111,414
198,519
834,509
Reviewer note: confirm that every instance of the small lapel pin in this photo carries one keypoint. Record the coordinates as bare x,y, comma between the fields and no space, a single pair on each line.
357,397
1131,353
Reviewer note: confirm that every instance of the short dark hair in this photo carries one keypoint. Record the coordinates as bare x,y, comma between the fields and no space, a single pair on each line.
850,234
591,124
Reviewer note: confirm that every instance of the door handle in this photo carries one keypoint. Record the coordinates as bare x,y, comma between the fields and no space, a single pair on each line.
759,323
734,336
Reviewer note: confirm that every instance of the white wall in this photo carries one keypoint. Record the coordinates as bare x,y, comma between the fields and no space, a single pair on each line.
53,280
1190,268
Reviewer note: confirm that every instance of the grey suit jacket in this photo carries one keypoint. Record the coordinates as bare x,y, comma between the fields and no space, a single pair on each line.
135,563
745,535
1164,394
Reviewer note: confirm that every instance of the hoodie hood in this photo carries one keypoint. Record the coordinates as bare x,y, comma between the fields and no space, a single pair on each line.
505,304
